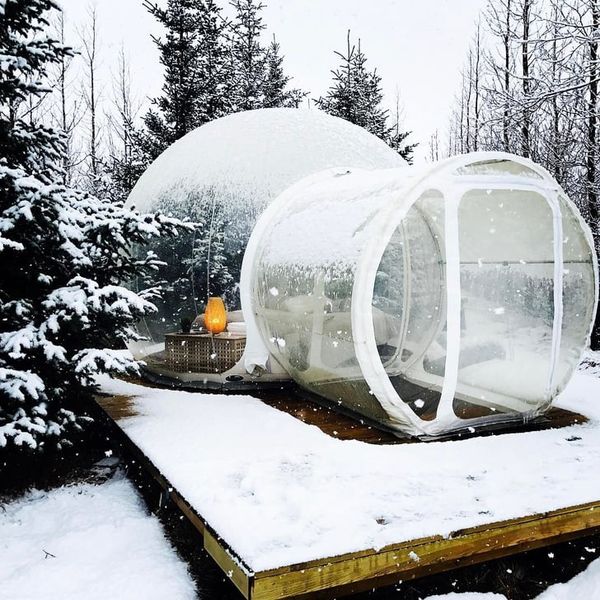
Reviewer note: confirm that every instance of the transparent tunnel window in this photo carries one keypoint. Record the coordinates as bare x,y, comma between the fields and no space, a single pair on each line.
303,297
513,351
304,313
409,302
506,243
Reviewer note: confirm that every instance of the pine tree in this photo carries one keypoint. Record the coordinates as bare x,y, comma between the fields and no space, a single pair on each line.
197,264
248,61
231,71
212,62
209,264
356,96
344,98
276,92
64,256
194,57
173,113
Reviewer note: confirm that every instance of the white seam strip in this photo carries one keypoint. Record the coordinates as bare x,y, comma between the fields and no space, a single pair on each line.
445,412
558,291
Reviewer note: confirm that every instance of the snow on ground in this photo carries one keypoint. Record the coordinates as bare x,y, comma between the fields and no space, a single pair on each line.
103,542
585,586
280,491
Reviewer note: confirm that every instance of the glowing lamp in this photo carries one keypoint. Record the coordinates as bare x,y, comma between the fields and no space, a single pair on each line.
215,316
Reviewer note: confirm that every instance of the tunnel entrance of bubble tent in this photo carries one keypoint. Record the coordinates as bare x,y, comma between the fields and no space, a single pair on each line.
511,338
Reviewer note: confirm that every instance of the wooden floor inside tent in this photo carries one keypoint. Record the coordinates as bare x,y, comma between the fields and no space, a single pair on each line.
333,576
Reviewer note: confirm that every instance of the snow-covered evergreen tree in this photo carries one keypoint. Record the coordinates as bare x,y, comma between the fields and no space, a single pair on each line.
276,91
256,75
248,60
212,62
209,263
194,57
198,264
64,256
173,113
356,96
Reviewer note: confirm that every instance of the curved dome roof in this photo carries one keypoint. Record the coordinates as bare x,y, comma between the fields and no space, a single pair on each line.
252,156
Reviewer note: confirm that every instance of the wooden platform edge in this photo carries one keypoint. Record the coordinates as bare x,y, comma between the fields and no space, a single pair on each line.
231,565
364,570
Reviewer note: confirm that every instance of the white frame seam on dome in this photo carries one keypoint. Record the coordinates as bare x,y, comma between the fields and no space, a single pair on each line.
557,290
445,414
256,352
362,297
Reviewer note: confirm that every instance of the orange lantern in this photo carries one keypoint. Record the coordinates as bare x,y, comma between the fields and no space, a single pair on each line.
215,316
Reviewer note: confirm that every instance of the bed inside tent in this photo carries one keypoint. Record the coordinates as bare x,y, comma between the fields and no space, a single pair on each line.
425,300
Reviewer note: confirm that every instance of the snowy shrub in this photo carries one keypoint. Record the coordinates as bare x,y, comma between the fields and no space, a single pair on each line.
64,255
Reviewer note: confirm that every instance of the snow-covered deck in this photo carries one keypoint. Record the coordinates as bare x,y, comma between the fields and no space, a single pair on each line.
291,504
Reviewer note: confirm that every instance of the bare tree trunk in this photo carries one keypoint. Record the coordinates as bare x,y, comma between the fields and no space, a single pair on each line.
555,143
506,49
461,134
434,146
525,126
124,91
592,124
62,89
125,109
89,40
468,103
476,85
591,151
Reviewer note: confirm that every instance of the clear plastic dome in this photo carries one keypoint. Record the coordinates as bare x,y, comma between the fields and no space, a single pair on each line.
222,176
430,301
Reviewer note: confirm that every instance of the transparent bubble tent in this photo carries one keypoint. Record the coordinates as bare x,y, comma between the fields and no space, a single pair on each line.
425,299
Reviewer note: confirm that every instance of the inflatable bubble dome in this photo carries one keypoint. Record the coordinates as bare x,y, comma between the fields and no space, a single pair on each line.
222,176
426,300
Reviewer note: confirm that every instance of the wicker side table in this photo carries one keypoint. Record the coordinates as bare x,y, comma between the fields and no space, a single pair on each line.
203,352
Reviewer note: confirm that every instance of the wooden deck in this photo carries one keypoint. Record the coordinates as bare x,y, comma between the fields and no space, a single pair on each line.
338,575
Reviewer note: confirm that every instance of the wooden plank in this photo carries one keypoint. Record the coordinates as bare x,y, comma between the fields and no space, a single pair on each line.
363,570
117,407
229,564
342,425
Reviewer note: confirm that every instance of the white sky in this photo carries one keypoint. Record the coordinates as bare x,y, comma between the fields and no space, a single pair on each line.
418,47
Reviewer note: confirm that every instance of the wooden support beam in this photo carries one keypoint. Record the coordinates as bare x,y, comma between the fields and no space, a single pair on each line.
367,569
121,407
230,565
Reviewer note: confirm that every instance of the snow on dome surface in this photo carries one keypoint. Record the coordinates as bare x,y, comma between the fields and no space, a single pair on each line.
258,153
